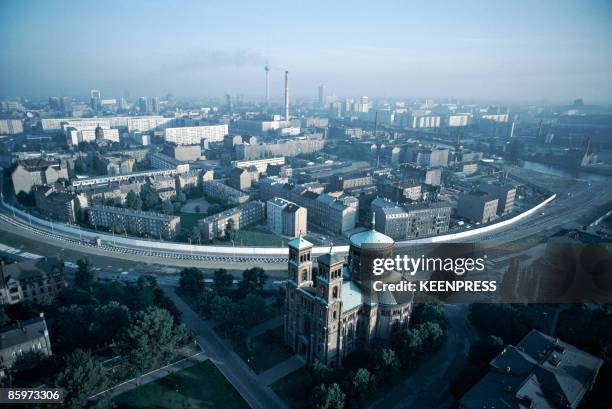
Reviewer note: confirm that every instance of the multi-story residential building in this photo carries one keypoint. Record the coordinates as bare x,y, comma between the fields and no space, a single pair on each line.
11,126
477,206
540,372
343,182
103,180
466,155
184,153
283,171
425,121
133,221
430,157
467,168
117,164
25,337
35,172
161,161
216,189
139,154
259,127
290,147
194,135
429,176
458,120
504,192
240,179
401,191
330,315
148,123
262,165
139,123
62,206
37,280
334,213
76,135
412,220
115,191
286,218
242,216
190,181
427,219
391,219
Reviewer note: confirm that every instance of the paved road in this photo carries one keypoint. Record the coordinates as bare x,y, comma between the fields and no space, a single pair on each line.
151,376
246,382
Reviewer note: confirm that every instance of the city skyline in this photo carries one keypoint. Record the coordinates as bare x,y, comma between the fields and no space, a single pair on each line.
554,51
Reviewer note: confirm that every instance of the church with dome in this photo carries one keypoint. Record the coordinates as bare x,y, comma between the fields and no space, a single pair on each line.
332,310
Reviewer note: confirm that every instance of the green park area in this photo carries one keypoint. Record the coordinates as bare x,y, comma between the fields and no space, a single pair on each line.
291,388
265,351
200,386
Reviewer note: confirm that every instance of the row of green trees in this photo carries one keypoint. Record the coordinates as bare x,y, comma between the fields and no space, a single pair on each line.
234,308
93,320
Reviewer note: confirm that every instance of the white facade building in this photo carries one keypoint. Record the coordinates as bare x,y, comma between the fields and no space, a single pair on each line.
11,126
193,135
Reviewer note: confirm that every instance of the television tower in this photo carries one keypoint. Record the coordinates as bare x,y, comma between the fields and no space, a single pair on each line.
286,96
267,70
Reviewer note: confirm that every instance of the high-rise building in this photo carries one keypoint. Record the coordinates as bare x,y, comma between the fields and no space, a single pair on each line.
54,103
155,105
322,96
66,104
286,96
143,105
95,100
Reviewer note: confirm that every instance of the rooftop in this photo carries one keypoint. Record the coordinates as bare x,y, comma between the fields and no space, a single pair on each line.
540,371
300,243
370,237
22,332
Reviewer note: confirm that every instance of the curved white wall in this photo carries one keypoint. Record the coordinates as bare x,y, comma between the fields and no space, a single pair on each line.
250,251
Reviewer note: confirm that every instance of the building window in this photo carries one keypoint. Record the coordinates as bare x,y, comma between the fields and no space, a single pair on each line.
335,292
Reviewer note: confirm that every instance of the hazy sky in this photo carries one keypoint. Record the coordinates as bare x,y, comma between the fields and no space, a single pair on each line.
556,50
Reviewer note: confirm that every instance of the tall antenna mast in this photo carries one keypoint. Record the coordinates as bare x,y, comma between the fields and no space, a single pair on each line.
286,96
267,70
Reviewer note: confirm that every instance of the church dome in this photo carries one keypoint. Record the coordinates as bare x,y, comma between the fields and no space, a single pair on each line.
370,237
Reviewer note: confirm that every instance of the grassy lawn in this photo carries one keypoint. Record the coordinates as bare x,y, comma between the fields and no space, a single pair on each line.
294,388
201,386
254,236
188,220
265,351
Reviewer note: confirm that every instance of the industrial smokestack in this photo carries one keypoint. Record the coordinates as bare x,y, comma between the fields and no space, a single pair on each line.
287,96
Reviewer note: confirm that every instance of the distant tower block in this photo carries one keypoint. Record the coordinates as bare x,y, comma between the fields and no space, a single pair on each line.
287,96
267,70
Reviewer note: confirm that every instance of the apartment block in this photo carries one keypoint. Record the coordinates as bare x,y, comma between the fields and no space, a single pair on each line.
214,188
194,135
35,172
136,222
504,192
242,216
286,218
477,206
